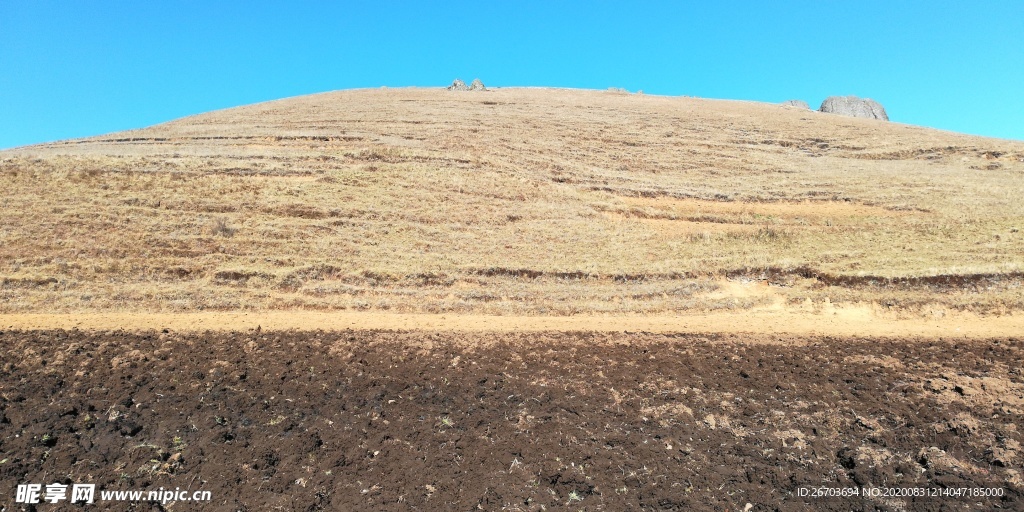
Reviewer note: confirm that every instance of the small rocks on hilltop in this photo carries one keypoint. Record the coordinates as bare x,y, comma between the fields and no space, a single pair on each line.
796,103
854,107
459,85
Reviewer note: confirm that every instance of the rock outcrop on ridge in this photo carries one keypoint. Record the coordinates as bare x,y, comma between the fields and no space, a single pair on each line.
854,107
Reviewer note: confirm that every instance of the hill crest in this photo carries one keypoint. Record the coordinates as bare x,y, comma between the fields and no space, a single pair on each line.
514,202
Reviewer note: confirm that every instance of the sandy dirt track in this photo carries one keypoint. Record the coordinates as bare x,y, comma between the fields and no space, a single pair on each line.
851,321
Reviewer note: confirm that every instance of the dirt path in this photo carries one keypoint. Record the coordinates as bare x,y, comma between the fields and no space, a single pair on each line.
862,321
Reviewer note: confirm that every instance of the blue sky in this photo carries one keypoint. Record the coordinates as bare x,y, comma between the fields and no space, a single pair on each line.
75,68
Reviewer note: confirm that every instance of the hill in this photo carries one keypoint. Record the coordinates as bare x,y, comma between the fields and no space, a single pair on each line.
703,304
514,202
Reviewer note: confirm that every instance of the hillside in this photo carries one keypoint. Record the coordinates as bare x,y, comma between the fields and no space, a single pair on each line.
520,299
514,202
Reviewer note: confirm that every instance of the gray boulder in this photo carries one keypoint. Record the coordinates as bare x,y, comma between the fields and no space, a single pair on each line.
477,85
458,85
854,107
796,103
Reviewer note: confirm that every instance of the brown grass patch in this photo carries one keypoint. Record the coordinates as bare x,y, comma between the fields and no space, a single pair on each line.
594,203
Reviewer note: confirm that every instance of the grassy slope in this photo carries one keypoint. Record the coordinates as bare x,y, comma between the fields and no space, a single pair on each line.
511,201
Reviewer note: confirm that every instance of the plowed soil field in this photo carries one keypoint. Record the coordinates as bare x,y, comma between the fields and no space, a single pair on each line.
406,420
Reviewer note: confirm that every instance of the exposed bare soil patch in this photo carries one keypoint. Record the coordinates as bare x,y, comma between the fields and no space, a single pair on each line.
388,420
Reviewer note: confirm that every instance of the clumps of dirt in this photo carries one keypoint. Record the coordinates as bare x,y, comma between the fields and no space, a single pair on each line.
388,420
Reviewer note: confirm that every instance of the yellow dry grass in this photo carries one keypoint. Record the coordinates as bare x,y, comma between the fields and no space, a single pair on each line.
512,202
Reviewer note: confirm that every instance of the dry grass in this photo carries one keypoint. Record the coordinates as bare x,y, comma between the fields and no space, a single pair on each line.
511,202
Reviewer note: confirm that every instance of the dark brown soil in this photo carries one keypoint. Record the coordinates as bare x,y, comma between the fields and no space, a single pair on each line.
364,420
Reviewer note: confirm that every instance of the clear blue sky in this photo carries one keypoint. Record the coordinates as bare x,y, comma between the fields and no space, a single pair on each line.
77,68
